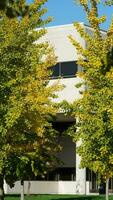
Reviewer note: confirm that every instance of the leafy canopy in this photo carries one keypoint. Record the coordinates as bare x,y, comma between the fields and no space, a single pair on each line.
27,139
94,110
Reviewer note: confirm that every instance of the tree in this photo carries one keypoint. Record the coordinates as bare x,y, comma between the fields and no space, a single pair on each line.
109,2
95,108
15,8
27,137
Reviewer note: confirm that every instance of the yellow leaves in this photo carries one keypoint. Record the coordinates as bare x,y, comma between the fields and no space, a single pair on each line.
102,19
39,130
109,75
79,48
111,159
11,82
27,107
84,2
104,151
13,114
95,108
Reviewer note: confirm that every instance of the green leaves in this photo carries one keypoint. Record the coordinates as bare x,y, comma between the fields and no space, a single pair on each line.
27,138
95,109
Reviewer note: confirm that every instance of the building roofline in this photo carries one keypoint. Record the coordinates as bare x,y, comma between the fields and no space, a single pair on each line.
61,26
68,25
86,25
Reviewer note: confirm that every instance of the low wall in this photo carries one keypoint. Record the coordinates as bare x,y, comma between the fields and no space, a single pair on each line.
44,187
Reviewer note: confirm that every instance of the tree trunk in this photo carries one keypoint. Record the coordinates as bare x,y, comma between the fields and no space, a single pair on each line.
22,190
107,188
1,188
29,186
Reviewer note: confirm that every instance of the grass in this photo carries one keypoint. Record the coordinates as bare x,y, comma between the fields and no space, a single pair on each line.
57,197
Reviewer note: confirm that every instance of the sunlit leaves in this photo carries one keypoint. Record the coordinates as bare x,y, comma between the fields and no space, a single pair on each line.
26,99
95,109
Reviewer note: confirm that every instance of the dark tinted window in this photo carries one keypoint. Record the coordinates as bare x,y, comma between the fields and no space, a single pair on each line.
62,126
67,174
64,174
68,69
64,69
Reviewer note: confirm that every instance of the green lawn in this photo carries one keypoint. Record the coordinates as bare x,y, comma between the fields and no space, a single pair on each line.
57,197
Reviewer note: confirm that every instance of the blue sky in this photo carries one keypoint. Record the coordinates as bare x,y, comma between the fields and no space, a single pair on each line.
66,12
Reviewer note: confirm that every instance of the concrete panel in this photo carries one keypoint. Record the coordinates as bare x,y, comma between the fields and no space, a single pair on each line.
67,187
69,92
58,38
80,175
44,187
36,187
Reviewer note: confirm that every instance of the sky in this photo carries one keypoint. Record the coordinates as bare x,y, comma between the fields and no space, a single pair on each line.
67,12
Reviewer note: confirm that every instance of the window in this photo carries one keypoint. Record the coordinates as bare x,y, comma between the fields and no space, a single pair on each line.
62,126
67,174
64,174
92,178
68,69
64,69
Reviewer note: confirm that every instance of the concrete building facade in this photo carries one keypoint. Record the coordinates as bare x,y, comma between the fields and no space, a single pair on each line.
68,178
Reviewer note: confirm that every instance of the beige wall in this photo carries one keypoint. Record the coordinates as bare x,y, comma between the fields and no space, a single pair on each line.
46,187
58,38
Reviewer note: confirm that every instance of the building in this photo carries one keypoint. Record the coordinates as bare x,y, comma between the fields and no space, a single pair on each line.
68,178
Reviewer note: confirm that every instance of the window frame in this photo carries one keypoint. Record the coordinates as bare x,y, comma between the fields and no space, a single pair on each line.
60,70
